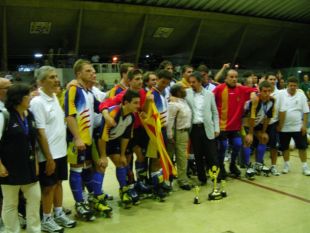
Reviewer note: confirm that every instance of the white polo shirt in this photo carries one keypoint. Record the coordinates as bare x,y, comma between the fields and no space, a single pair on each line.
295,106
49,116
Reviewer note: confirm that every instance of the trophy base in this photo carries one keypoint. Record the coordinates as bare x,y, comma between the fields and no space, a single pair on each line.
215,195
196,201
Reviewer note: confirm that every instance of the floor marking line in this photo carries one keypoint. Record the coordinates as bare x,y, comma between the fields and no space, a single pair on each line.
277,191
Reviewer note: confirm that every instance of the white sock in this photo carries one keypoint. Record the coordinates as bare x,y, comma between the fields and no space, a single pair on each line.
46,216
287,162
304,165
57,211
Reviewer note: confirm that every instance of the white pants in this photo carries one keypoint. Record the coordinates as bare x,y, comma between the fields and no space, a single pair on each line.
32,194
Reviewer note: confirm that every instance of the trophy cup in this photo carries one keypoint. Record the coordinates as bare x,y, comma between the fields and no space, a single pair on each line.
215,194
196,199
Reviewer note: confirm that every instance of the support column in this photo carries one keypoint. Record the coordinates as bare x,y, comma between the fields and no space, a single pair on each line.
4,65
78,33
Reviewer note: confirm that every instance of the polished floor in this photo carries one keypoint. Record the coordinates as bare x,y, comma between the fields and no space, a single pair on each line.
265,205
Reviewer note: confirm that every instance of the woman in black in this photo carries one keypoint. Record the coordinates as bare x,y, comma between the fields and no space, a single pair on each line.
18,166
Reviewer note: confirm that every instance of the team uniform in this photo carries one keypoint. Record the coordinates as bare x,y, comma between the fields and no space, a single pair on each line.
258,111
230,105
113,137
118,88
81,104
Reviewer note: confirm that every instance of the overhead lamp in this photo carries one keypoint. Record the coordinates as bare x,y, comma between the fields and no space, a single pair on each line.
38,55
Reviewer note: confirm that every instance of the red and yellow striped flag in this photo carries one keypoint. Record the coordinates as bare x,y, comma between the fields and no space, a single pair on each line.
156,145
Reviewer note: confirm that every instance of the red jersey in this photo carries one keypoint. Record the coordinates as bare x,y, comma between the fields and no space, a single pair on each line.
116,100
230,105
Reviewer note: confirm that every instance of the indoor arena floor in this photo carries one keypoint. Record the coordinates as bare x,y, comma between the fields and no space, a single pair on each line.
265,205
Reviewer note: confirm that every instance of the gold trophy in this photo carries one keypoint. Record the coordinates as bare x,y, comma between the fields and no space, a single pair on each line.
196,199
215,194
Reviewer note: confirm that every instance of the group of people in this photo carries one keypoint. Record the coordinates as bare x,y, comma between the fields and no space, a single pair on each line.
147,125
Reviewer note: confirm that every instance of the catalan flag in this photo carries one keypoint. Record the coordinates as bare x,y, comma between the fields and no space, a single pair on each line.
156,145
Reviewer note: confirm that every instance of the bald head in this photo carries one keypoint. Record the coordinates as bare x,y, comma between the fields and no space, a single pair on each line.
4,85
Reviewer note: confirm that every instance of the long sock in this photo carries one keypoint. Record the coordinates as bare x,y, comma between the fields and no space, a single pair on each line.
222,150
97,183
75,181
130,175
236,146
121,174
260,152
247,155
87,176
140,170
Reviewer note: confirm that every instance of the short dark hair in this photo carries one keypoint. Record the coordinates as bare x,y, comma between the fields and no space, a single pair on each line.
175,90
124,68
185,67
129,95
133,73
265,84
164,63
15,95
164,74
269,74
197,75
203,68
292,79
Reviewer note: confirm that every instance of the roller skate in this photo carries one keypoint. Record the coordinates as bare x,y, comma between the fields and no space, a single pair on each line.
261,169
159,192
234,170
250,173
144,191
126,201
100,205
84,212
133,195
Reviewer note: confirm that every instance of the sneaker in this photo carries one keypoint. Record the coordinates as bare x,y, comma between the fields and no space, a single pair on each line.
250,173
49,225
274,171
22,221
64,221
286,168
306,171
66,210
83,210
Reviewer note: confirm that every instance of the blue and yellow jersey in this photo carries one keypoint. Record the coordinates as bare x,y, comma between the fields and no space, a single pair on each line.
81,104
161,104
259,110
118,88
123,128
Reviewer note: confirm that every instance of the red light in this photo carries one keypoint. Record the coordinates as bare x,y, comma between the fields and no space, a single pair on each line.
115,59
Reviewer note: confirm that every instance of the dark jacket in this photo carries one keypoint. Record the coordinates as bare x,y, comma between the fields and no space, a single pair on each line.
17,151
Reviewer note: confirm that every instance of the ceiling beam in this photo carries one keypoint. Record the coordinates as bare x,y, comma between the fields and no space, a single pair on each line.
141,39
194,43
241,41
